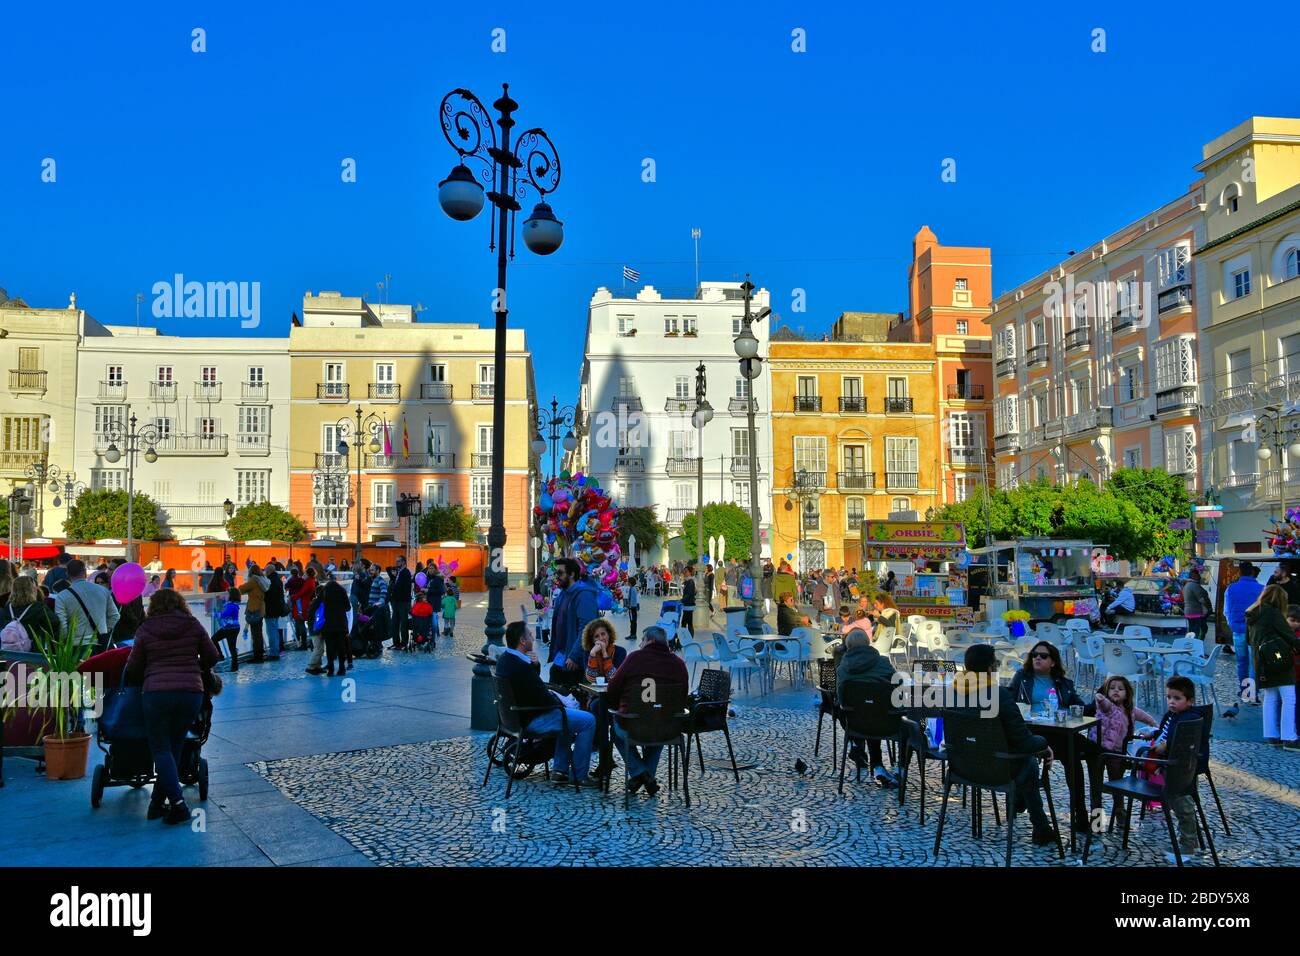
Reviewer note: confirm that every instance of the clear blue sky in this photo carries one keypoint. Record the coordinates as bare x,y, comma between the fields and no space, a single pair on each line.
810,170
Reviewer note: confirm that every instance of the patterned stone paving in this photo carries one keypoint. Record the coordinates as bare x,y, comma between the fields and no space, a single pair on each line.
421,804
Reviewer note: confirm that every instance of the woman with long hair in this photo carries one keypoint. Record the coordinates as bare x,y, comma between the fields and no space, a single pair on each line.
1274,646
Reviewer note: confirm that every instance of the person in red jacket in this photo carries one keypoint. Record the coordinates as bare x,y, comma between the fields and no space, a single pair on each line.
301,590
655,662
171,652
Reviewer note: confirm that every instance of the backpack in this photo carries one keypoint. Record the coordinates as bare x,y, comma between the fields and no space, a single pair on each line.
14,637
1273,658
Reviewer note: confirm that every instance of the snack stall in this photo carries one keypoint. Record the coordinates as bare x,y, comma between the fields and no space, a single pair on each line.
929,559
1049,578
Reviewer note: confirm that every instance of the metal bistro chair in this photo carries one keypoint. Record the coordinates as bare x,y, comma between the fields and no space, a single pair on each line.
915,742
733,662
978,757
663,722
1180,780
1120,660
867,713
512,724
1200,671
709,707
828,706
1203,759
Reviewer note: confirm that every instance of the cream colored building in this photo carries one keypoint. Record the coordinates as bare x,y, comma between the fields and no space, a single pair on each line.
432,385
1249,270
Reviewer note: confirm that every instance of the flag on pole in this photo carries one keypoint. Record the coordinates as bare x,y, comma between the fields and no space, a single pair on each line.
406,440
388,441
428,439
631,274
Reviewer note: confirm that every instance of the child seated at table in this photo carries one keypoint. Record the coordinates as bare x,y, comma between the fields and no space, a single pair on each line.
1118,715
1180,695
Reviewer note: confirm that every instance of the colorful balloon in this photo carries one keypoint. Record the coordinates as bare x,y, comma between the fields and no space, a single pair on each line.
127,582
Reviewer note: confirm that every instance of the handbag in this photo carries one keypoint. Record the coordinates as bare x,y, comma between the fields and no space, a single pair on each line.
123,716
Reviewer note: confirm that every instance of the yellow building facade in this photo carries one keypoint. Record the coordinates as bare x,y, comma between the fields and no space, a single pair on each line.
854,437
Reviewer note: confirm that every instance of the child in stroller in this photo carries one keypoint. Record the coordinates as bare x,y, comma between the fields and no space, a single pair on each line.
366,640
422,624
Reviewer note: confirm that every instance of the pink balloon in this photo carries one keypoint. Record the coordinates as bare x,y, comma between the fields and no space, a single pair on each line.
128,582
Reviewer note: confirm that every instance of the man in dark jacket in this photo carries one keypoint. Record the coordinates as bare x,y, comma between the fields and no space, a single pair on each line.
788,617
575,608
518,664
862,662
653,664
360,591
399,598
435,591
982,665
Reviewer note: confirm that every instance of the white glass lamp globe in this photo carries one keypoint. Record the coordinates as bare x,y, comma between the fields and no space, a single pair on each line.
460,195
1264,454
570,441
746,344
543,233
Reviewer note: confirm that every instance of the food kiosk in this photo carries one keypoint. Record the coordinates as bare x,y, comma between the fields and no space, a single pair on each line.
1051,579
932,559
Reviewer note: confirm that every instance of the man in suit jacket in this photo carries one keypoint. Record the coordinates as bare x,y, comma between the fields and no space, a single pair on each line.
399,597
519,665
575,608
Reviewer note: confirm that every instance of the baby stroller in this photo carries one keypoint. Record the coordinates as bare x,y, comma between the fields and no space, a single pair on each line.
422,636
366,640
670,619
128,762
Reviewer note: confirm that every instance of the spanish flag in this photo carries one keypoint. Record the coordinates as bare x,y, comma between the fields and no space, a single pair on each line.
406,441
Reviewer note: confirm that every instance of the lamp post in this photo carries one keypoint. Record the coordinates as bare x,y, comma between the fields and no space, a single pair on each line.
137,439
343,428
532,163
549,426
751,366
330,486
803,491
702,416
1275,431
43,475
71,490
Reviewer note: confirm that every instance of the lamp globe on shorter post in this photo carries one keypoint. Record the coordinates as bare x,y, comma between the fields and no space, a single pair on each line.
538,446
150,455
747,344
543,233
112,455
1294,449
1264,454
570,441
703,414
460,195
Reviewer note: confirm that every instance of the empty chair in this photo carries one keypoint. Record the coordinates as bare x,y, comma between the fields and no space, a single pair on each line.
1078,624
693,655
709,707
735,663
787,654
1048,631
1136,630
916,743
1200,671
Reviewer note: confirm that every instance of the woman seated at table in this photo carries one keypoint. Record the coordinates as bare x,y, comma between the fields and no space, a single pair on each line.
1041,674
886,612
603,654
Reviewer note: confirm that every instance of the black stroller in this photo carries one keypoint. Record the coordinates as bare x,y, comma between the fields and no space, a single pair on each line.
129,762
366,639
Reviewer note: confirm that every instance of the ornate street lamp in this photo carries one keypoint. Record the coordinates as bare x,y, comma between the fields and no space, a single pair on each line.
343,429
751,366
550,426
702,415
1276,430
134,439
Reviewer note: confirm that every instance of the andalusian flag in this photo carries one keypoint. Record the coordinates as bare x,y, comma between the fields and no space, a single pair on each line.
428,438
406,441
388,441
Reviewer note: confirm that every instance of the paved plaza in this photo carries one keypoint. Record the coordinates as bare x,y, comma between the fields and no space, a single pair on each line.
383,770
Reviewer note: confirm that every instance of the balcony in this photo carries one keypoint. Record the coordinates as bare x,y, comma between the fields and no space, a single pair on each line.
855,404
483,391
811,522
965,455
1236,398
1240,481
855,522
630,464
1176,398
162,391
191,516
675,515
252,391
326,460
632,403
1178,299
480,460
1121,322
1100,417
418,461
253,443
901,479
207,391
330,517
1079,337
740,465
968,391
112,391
10,460
482,514
812,480
856,480
1006,444
1005,367
677,405
381,514
742,406
1035,356
192,445
435,391
807,403
384,391
682,467
898,405
332,391
27,381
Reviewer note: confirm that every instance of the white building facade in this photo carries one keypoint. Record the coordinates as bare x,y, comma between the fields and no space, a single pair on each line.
219,408
637,400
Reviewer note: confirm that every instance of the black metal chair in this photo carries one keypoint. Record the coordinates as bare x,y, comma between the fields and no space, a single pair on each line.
915,742
979,757
930,665
709,707
867,713
522,745
662,722
1203,760
829,707
1179,763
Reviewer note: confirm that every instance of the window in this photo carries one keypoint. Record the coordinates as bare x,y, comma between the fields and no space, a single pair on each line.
897,388
1038,408
682,387
1231,199
1006,342
437,372
330,438
330,505
1291,268
632,493
855,459
852,387
1242,458
1239,367
1081,311
485,439
252,486
681,444
256,375
254,419
1130,381
743,388
740,443
626,387
689,325
1172,264
901,504
961,431
1040,332
855,510
962,327
1006,416
207,428
29,359
207,492
1081,394
683,495
961,285
1289,354
208,375
1006,476
1133,456
1175,363
1241,283
1180,452
113,375
807,386
740,493
437,438
810,453
164,374
671,326
164,427
109,418
901,455
962,487
385,379
382,496
737,325
107,479
335,380
626,324
162,491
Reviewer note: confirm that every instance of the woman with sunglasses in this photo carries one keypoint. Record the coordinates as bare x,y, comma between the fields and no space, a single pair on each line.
1041,674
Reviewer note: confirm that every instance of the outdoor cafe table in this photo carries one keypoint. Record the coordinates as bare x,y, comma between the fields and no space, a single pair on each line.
1067,732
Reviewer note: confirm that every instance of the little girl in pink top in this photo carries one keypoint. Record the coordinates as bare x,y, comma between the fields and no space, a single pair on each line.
1117,714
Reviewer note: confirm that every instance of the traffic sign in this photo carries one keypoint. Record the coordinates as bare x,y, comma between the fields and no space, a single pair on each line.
1207,536
1180,524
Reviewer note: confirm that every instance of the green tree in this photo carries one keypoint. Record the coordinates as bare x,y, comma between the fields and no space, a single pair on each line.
447,523
641,522
1158,498
265,521
727,520
102,514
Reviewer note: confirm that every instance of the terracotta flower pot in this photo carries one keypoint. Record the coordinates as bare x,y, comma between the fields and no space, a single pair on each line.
66,759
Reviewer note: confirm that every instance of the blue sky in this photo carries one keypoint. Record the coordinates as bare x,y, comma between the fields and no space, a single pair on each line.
811,170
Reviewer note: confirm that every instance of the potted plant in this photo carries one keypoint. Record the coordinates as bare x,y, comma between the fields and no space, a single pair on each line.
1017,620
67,745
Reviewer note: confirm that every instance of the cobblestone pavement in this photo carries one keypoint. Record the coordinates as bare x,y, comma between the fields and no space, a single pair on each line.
421,804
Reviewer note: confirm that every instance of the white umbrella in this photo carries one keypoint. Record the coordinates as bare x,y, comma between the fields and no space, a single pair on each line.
713,545
631,552
722,548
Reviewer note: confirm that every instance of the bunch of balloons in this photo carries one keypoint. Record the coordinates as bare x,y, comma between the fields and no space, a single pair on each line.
576,518
1284,538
